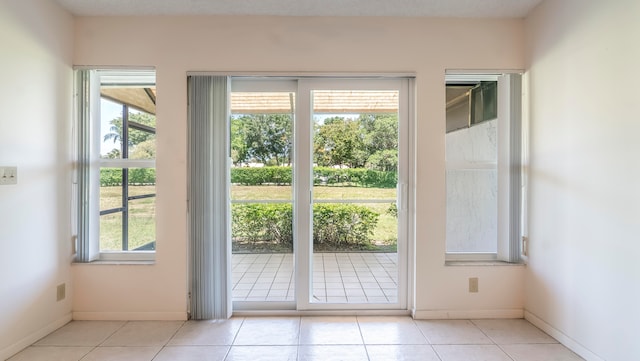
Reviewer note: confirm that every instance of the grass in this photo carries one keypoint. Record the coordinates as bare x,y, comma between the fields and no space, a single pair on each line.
239,192
142,212
142,224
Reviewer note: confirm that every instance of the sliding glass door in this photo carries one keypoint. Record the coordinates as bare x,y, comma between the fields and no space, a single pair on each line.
319,172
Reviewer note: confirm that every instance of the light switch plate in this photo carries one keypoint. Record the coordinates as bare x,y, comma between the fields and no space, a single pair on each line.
8,175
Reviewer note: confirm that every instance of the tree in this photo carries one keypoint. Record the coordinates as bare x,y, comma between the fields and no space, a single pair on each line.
239,149
381,131
144,150
371,140
141,143
384,160
113,154
339,142
135,136
265,138
381,141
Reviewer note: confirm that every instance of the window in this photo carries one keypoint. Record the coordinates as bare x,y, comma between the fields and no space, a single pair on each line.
116,168
483,167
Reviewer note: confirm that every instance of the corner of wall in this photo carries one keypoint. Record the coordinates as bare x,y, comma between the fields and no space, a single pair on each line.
31,338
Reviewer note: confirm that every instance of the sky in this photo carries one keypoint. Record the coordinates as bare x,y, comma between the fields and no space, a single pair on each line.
108,111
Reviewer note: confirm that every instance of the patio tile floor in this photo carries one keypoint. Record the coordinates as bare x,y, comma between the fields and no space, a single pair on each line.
337,277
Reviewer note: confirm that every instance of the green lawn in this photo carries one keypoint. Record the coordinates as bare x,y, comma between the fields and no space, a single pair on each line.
239,192
142,211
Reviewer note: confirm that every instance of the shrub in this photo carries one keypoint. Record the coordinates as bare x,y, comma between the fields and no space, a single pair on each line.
341,224
333,224
142,176
361,177
137,176
262,222
393,210
110,177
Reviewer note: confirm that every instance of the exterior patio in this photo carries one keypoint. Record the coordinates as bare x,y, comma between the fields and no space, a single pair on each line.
337,277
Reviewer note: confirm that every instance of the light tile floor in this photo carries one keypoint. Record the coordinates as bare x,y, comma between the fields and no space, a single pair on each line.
337,277
347,338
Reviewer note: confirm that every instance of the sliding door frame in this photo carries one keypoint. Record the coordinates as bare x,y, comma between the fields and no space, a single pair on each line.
303,182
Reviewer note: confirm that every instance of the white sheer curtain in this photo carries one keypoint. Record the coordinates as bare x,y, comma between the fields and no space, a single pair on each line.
209,211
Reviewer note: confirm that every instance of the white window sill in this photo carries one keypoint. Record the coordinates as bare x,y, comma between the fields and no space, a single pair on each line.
128,256
477,259
482,263
118,263
125,258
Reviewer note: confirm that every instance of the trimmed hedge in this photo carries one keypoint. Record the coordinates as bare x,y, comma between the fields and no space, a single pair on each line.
359,177
137,176
336,224
255,176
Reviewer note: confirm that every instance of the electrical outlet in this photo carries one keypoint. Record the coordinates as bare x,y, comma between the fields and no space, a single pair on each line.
61,292
473,284
8,175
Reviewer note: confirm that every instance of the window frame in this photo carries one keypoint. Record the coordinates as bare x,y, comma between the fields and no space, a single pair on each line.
87,178
511,175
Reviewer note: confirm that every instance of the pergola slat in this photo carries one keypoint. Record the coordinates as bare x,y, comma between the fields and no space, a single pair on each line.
324,102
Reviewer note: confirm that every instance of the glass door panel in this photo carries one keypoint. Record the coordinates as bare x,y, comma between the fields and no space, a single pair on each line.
354,198
261,196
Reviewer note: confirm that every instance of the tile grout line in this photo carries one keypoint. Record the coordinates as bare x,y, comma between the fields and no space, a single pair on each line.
491,338
274,276
259,273
235,337
366,350
162,347
105,340
375,278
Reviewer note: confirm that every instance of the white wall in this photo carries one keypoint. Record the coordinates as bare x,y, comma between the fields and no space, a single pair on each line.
176,45
36,39
583,279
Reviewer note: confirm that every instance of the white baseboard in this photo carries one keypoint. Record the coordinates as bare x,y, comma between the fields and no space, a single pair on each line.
570,343
296,313
32,338
466,314
130,316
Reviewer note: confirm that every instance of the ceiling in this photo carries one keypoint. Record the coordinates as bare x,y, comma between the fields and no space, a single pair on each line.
414,8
